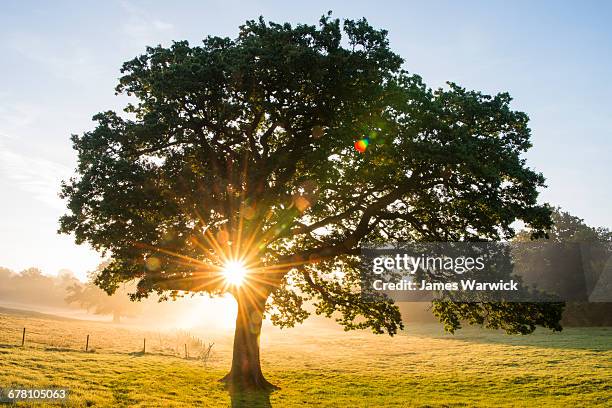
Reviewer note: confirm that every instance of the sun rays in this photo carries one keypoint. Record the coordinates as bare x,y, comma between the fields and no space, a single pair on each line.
229,252
234,273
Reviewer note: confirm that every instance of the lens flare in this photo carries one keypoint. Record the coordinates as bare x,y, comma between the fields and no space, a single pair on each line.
361,145
234,272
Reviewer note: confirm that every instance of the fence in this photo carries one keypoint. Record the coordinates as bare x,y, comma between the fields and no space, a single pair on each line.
168,345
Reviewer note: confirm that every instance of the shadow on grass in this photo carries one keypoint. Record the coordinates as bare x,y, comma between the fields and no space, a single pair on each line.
254,399
596,339
60,349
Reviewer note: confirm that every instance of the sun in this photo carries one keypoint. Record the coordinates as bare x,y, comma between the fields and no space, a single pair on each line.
234,272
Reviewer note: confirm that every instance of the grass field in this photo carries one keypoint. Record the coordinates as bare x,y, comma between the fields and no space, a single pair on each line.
313,366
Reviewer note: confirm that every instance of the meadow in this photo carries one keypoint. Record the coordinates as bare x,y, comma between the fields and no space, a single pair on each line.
314,366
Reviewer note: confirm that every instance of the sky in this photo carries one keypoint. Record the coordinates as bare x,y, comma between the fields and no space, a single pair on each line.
59,64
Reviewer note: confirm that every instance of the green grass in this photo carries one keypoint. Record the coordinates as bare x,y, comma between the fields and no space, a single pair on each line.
315,367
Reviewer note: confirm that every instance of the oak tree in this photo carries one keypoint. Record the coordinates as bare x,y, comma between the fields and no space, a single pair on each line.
241,152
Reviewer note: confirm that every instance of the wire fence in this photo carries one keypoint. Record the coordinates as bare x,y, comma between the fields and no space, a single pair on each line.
91,338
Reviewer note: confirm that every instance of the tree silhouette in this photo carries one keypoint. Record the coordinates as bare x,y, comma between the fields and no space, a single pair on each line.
92,298
242,151
572,232
32,287
566,227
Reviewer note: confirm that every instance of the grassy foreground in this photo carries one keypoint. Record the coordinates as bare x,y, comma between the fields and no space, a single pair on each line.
314,367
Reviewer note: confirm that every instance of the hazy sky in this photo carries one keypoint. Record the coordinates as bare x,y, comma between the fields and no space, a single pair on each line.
59,62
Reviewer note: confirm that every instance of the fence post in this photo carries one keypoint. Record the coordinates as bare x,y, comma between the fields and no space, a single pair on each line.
186,355
87,344
23,338
144,346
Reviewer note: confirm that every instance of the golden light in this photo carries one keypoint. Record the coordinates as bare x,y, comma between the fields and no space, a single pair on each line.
234,272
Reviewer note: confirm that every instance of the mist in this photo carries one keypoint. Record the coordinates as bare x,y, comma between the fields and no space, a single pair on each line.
67,296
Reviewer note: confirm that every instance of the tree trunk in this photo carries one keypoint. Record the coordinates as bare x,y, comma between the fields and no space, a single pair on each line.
116,317
245,374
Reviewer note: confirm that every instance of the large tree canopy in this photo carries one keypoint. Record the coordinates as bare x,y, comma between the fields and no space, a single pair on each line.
242,149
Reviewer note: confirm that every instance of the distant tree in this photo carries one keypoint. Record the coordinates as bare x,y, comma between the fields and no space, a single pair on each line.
32,288
241,151
90,297
5,273
567,228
